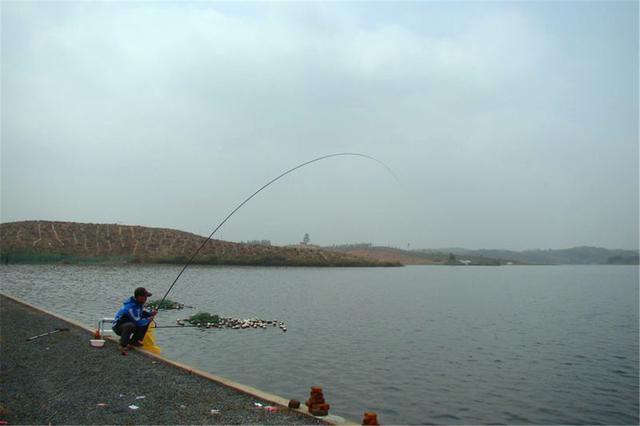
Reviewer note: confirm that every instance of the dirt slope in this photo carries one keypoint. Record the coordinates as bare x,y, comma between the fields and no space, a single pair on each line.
70,242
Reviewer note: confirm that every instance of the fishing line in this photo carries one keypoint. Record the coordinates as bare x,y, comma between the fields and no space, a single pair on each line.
353,154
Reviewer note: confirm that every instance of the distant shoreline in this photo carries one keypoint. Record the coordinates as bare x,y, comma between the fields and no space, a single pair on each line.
50,242
54,259
489,257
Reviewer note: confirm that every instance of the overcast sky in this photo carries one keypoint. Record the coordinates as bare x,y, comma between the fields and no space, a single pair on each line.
509,125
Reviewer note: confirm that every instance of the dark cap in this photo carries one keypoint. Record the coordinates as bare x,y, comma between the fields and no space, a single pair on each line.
141,291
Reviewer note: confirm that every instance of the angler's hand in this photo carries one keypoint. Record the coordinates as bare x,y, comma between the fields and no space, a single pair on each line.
153,312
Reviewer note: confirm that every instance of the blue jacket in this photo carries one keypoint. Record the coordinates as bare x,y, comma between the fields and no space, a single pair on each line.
132,311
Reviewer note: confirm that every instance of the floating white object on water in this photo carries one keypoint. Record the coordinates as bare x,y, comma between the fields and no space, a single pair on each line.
133,407
257,404
215,411
140,397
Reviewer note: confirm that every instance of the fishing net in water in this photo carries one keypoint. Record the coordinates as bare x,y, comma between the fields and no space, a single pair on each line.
207,320
165,304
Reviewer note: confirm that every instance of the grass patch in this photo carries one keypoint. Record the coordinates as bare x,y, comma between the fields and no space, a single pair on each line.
202,319
36,257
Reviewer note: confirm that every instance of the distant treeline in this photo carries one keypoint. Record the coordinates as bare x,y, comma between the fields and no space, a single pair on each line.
624,260
456,255
570,256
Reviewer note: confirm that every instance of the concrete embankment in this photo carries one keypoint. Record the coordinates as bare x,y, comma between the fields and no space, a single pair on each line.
60,379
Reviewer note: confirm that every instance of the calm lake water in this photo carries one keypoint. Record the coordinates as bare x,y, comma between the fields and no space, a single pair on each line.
419,344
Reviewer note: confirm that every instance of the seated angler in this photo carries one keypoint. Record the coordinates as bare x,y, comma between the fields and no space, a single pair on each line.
132,320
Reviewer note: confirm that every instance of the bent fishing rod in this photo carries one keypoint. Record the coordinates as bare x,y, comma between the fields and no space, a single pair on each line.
353,154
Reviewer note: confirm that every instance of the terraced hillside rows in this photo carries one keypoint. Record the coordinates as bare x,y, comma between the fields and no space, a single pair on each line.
70,242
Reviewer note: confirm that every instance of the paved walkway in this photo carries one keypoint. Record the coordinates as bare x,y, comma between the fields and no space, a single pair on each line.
61,379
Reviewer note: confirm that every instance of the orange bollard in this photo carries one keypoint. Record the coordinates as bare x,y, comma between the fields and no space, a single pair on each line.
370,418
316,403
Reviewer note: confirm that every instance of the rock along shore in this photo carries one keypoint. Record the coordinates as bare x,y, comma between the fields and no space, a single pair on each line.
61,379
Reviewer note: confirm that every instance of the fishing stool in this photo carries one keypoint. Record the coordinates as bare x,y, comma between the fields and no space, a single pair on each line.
102,329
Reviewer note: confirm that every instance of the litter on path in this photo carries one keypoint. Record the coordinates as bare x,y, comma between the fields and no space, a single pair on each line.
269,408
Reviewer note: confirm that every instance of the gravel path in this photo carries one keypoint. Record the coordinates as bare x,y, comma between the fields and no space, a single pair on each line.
60,379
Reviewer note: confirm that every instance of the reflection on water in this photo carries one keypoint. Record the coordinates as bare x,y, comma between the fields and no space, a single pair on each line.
416,344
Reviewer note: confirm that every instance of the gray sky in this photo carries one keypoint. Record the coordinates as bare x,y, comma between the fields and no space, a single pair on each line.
509,125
